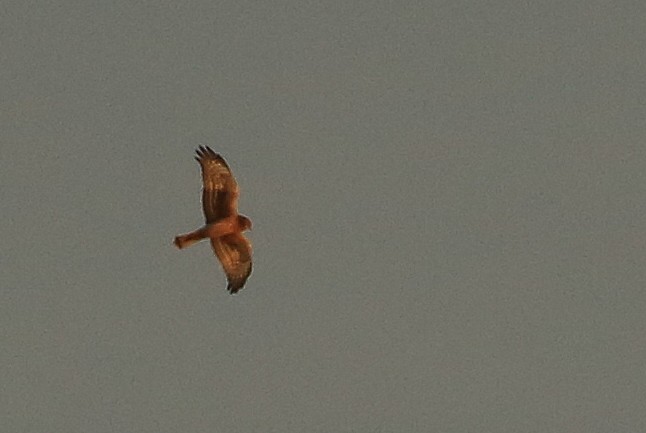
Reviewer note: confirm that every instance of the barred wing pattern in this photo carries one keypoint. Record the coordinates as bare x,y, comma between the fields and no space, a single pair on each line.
234,252
220,189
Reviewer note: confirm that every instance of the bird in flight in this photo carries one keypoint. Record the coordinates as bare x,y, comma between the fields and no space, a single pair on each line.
224,225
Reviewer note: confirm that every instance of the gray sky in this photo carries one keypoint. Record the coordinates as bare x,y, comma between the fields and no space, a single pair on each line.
448,206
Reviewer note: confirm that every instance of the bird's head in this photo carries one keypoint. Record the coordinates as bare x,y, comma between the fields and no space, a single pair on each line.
244,222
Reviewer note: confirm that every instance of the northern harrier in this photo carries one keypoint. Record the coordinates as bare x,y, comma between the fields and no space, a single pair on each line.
224,226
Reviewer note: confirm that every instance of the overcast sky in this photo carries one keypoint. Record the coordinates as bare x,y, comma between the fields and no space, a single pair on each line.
448,206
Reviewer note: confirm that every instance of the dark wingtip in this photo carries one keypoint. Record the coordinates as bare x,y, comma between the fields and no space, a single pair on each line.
211,152
205,152
234,287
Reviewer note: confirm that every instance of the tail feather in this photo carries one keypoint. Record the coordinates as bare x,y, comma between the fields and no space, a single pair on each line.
184,241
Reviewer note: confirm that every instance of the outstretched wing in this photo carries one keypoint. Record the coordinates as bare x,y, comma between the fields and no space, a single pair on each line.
220,189
234,253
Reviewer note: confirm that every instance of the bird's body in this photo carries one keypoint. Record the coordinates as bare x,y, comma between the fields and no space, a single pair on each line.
224,226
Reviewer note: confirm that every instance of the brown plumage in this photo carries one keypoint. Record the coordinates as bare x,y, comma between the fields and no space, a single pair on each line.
224,226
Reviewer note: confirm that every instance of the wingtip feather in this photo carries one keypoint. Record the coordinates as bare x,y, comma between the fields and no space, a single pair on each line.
205,152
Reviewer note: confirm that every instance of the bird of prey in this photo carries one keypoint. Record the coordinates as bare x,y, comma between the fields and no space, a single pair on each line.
224,226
